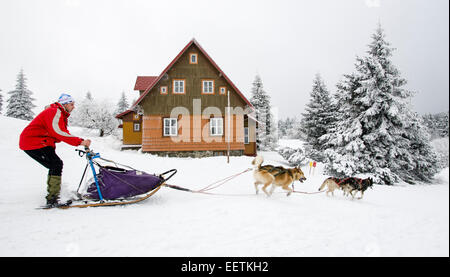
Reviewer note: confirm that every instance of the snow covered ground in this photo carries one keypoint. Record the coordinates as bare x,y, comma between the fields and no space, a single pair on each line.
400,220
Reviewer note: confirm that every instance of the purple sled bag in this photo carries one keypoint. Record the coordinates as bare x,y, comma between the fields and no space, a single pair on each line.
120,183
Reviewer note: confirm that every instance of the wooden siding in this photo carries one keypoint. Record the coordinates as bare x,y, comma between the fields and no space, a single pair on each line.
193,128
131,137
193,74
193,135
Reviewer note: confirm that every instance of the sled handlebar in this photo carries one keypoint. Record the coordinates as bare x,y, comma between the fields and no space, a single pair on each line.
80,152
86,150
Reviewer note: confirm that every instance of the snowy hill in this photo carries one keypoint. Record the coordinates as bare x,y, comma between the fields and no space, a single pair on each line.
390,221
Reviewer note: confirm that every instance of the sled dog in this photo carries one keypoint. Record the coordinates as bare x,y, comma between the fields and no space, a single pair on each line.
348,185
333,183
275,175
359,185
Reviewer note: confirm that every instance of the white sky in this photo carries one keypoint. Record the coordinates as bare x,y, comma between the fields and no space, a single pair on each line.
75,46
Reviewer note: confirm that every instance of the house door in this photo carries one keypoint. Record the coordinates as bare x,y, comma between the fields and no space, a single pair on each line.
249,147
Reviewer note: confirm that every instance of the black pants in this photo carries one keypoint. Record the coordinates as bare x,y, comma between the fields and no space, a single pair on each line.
47,157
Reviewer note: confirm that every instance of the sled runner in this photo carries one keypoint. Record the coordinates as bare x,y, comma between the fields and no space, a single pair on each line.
114,185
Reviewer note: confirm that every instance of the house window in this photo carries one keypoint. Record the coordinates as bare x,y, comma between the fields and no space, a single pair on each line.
137,127
207,86
163,90
170,127
193,58
136,116
178,86
216,126
223,90
246,136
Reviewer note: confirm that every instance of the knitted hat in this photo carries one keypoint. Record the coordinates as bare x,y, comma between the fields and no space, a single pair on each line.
65,99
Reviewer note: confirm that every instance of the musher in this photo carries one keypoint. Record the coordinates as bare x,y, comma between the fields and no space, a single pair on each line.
38,140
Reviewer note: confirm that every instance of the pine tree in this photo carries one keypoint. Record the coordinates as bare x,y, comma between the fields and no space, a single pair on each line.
289,128
1,102
20,103
266,137
421,160
89,96
437,124
282,128
122,105
376,132
319,118
442,124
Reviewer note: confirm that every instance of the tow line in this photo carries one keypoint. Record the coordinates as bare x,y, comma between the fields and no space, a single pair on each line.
221,182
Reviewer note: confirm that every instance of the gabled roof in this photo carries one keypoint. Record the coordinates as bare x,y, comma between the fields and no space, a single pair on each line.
143,82
193,41
123,113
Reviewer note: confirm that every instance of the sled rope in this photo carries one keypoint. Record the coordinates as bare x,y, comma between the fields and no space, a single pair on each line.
211,186
223,181
304,192
204,192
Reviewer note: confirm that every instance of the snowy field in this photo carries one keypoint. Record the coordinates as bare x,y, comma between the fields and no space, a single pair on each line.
400,220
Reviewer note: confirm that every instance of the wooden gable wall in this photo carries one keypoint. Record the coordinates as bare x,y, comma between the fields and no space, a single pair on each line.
193,74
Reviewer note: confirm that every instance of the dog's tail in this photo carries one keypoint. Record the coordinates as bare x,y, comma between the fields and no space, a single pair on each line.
323,185
258,160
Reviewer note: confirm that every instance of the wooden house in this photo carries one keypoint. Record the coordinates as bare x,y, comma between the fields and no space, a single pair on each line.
191,107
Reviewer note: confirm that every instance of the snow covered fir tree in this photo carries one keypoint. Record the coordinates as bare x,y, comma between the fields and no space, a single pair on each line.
289,128
266,137
377,134
1,101
122,105
20,102
318,119
437,124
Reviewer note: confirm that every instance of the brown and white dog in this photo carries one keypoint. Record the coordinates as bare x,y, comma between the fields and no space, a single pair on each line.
276,176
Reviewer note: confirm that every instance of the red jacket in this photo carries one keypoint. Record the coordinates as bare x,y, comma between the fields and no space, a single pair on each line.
47,128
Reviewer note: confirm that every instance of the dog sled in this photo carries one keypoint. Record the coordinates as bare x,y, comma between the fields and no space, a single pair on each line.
114,185
117,184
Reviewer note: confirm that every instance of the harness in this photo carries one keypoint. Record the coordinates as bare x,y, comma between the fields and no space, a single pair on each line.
340,181
280,169
284,171
271,168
